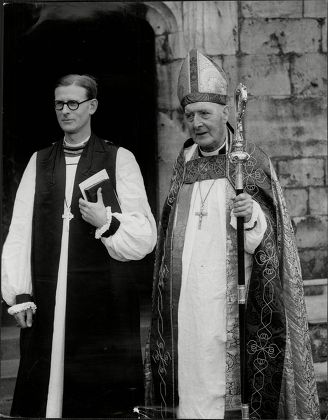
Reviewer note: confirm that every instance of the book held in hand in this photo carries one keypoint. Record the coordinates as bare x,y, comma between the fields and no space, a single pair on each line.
89,188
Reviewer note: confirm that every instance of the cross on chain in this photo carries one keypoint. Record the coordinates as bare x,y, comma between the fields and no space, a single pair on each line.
67,214
201,213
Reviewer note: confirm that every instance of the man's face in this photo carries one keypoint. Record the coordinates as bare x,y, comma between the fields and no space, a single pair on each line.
73,122
206,122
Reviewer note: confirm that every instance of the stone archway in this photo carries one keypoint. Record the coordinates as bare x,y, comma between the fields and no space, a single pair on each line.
161,17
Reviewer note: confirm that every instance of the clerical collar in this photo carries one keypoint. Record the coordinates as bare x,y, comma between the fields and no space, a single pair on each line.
73,150
82,143
220,151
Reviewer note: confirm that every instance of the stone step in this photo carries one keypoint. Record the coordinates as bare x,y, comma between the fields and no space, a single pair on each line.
7,387
9,368
316,293
10,343
320,370
318,334
323,399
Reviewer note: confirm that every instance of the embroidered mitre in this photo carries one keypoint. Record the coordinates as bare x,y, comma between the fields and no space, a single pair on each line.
201,80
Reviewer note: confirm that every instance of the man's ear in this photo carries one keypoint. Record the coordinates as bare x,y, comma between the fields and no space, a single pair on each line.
93,106
226,112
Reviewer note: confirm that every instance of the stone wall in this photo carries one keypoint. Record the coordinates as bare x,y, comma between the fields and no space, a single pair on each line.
279,50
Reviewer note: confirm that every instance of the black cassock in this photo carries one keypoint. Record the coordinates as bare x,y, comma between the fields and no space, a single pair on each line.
103,364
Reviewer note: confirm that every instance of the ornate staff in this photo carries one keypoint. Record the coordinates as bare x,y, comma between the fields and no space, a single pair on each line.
238,156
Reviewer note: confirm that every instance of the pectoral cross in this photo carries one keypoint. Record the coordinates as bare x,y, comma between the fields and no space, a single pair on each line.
201,213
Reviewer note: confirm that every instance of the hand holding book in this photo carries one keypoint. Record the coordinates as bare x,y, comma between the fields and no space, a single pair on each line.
94,213
90,186
98,194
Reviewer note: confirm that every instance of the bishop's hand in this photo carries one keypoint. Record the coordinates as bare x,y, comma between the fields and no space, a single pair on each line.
243,206
24,319
93,213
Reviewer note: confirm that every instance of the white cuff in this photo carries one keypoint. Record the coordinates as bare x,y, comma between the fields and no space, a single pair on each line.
20,307
105,227
255,214
251,223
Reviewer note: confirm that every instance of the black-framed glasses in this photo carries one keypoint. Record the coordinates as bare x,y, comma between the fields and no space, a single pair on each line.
72,105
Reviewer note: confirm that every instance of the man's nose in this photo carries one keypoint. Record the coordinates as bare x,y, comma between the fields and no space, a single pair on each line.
197,121
65,109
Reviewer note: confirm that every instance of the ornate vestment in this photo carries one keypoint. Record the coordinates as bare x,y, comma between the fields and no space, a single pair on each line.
280,372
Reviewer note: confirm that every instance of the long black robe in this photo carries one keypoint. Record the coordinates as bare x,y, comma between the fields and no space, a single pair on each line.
103,362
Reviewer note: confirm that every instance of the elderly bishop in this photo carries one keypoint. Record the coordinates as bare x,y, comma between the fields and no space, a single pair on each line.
193,367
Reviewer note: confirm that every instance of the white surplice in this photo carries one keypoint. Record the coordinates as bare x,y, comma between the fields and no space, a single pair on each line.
202,305
134,239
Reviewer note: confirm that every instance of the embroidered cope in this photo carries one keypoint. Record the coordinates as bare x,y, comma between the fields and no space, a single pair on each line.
192,361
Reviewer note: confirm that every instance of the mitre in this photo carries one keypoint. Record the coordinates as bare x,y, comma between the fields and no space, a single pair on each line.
201,80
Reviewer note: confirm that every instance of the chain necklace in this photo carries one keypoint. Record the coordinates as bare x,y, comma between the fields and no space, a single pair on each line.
202,212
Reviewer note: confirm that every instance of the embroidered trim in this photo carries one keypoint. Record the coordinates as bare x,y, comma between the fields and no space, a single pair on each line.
204,97
212,167
261,348
232,355
20,307
193,71
177,181
106,226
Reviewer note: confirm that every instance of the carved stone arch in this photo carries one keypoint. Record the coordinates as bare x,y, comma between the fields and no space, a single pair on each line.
161,18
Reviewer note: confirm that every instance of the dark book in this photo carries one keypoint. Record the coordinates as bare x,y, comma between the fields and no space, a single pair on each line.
108,193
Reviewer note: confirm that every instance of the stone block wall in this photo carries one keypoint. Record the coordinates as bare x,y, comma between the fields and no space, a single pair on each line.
278,49
293,119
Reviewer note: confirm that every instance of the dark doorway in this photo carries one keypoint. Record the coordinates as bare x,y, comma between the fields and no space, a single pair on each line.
42,43
113,42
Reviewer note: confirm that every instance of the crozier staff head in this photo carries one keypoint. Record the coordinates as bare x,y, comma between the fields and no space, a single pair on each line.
237,151
240,101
